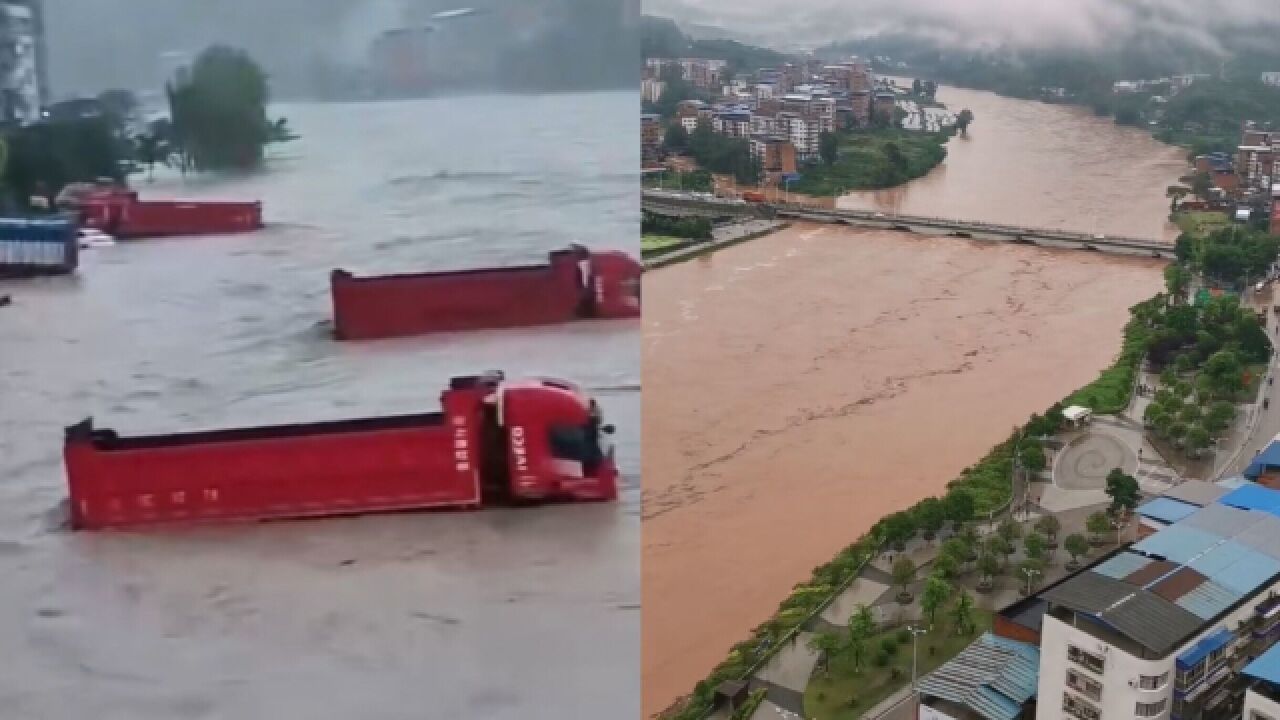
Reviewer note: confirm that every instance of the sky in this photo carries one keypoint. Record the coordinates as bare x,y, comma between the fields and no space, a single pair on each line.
1078,24
97,44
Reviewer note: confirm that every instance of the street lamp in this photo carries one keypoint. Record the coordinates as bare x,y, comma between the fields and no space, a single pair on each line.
915,633
1030,573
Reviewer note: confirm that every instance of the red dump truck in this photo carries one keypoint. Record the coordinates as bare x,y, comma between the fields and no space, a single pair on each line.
120,213
495,442
576,284
753,196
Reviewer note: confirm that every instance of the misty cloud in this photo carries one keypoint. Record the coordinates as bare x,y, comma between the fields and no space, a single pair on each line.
1047,24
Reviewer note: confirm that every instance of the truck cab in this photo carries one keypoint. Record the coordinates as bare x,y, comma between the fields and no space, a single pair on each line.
546,440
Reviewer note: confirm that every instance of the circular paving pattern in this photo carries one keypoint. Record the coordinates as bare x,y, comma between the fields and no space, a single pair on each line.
1084,464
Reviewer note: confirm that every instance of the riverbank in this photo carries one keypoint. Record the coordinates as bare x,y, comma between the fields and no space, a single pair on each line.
663,251
988,482
764,480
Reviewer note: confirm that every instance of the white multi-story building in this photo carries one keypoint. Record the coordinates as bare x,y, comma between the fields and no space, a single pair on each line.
20,87
651,89
1262,699
1271,78
1157,629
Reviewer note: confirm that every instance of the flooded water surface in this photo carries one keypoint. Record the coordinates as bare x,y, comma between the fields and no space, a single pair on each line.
802,386
496,614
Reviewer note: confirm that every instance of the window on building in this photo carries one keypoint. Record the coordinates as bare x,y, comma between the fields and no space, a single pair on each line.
1078,708
1152,682
1086,659
1152,709
1086,686
1191,676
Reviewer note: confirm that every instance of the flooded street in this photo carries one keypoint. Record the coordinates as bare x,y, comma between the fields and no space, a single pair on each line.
801,386
498,614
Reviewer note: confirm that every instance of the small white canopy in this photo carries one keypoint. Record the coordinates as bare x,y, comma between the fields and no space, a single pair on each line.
1077,413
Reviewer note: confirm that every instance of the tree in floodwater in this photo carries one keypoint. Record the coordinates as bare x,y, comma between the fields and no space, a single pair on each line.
45,157
963,120
219,114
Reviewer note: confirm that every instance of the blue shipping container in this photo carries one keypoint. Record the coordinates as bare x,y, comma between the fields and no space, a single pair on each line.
38,246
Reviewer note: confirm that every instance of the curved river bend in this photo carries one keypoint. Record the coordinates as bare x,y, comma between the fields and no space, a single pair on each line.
801,386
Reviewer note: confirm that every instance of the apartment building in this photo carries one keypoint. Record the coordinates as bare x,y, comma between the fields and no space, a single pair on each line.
651,89
1161,628
1271,78
22,84
651,136
734,123
777,156
1262,696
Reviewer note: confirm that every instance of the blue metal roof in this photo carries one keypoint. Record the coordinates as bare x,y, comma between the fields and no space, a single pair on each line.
1232,482
1122,565
1214,641
994,677
1207,600
1247,573
1166,510
1267,458
1265,667
1256,497
1177,543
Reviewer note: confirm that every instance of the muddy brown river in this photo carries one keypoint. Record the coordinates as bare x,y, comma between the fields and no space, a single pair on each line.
801,386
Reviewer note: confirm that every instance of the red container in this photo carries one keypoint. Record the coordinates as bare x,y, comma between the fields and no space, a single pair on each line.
495,442
121,214
753,196
396,305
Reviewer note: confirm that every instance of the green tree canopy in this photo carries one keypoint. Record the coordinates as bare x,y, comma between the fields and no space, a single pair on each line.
1076,545
1123,490
219,114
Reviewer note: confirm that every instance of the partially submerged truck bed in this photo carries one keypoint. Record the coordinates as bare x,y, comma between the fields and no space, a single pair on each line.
494,442
575,284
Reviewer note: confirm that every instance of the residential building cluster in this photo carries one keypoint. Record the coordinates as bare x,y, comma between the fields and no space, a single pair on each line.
1182,624
782,112
1166,85
1246,180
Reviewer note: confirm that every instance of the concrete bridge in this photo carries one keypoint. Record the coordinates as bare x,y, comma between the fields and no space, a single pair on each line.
719,208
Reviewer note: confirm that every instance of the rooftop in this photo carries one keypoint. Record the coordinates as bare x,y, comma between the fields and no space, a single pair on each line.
994,677
1265,667
1168,587
1195,492
1166,510
1270,457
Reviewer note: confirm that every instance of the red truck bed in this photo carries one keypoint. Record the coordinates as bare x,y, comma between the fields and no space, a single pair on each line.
121,214
332,468
418,303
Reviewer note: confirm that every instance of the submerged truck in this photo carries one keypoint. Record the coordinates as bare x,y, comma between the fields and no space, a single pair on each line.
576,284
119,212
495,442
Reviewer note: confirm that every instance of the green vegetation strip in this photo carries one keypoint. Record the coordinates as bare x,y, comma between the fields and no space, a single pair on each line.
988,483
671,256
874,159
843,692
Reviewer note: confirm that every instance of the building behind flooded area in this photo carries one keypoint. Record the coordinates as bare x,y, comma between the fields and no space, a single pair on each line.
23,84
